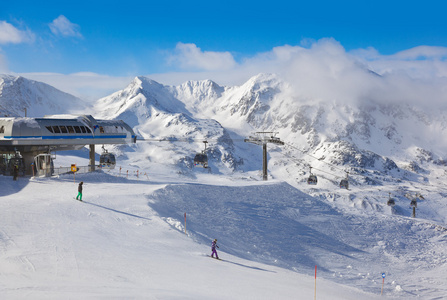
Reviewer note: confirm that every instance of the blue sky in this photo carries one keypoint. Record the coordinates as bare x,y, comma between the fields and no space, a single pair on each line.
121,39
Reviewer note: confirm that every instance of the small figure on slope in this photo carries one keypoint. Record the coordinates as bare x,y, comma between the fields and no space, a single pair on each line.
213,249
15,172
79,196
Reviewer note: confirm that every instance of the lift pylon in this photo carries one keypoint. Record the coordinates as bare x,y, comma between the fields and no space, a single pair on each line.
262,138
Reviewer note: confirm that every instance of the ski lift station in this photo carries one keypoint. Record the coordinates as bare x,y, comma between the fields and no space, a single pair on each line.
27,142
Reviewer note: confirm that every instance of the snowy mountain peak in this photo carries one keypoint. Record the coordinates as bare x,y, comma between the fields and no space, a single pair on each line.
380,135
199,90
18,94
139,101
268,79
146,83
372,130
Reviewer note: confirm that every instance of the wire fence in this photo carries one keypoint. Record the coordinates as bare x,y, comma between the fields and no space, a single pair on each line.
118,171
67,170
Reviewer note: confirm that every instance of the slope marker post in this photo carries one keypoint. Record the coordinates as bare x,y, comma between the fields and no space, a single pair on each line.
315,292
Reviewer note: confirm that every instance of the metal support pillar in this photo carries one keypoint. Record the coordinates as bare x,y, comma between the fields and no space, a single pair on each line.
92,158
28,158
263,138
264,161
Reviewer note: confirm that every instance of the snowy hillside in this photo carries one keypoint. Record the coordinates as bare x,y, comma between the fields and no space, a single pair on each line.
18,94
272,234
123,243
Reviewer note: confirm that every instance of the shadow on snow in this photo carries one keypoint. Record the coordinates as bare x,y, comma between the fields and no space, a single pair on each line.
270,223
117,211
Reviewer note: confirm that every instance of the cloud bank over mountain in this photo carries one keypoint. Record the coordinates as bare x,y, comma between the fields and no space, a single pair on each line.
189,56
320,70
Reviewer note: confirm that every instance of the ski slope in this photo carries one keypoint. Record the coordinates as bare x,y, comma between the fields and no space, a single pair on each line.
276,224
116,245
127,240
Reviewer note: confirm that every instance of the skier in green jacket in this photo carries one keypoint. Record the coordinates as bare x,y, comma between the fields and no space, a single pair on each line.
79,196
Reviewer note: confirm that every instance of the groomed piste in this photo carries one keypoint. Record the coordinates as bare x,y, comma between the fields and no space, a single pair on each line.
128,240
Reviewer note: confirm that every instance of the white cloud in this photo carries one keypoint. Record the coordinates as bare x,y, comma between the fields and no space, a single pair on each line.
325,71
61,26
189,56
321,71
422,62
10,34
422,52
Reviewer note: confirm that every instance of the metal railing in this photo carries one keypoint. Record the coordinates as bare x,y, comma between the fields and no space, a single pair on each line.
54,171
117,172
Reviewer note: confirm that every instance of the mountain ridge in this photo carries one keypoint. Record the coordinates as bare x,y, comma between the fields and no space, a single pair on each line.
391,135
18,94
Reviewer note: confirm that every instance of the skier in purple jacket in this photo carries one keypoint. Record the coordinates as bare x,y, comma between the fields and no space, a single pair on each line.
213,248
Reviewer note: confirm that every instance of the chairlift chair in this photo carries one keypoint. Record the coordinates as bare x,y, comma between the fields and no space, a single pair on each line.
391,201
312,180
107,160
201,159
344,183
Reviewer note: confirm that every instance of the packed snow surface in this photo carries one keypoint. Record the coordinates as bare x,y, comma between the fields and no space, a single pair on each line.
127,240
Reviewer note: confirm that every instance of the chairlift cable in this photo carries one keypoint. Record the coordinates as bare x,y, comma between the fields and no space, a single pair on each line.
322,171
314,157
192,140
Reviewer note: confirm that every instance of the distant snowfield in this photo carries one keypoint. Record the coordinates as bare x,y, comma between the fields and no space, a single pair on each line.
127,241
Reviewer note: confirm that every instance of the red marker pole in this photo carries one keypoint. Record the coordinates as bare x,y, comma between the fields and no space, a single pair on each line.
383,281
315,292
